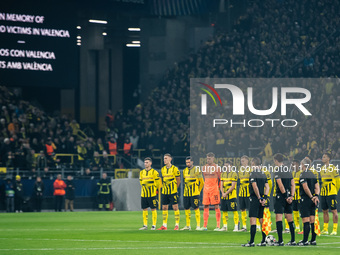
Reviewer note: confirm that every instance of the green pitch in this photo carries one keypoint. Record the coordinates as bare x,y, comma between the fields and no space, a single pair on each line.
117,233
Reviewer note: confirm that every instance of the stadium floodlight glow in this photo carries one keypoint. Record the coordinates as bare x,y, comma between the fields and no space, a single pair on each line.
136,42
78,41
21,42
98,21
78,27
78,37
132,45
104,33
136,29
78,44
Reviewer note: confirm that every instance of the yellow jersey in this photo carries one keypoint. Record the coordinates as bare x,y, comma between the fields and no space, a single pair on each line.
296,177
150,182
193,181
330,180
269,179
169,179
243,175
228,178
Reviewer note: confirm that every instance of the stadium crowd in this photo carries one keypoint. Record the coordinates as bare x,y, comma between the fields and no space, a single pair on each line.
303,42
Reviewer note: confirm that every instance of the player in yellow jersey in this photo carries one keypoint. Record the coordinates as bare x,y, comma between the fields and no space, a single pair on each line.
229,195
329,190
171,179
193,185
296,200
150,182
243,175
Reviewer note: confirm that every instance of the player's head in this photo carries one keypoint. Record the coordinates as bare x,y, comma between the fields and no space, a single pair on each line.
305,164
244,160
256,161
147,163
69,177
210,158
295,165
59,176
278,159
228,165
189,162
104,175
326,157
167,158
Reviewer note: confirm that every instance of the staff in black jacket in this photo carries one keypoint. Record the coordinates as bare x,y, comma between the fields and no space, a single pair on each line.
19,194
70,194
38,191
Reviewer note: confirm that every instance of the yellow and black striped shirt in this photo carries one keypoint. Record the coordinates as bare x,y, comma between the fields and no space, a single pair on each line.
228,178
149,180
193,181
243,175
330,180
296,176
269,179
169,179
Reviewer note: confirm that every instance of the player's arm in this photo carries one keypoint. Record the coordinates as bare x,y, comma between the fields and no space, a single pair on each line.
140,178
266,189
280,184
158,181
221,189
256,190
201,184
233,185
292,187
178,177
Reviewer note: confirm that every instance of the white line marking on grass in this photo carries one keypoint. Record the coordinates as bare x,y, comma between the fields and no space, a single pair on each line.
144,248
116,241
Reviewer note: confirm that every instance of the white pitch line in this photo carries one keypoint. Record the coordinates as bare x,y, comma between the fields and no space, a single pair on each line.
146,248
117,241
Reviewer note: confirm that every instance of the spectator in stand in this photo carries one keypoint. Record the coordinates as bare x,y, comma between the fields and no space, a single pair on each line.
38,191
82,154
97,162
70,193
50,151
41,161
10,193
112,146
109,118
128,148
99,146
134,139
59,192
19,194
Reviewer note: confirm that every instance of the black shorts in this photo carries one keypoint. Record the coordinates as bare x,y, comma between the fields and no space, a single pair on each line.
281,206
255,208
170,199
329,202
228,205
296,205
149,202
307,207
244,203
193,202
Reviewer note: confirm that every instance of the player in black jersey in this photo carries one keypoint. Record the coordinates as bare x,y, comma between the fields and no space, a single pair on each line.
309,192
258,191
285,190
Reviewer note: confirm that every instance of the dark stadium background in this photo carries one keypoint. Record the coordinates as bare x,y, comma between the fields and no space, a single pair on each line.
102,88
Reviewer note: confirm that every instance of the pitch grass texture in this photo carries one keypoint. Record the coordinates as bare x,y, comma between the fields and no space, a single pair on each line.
117,233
